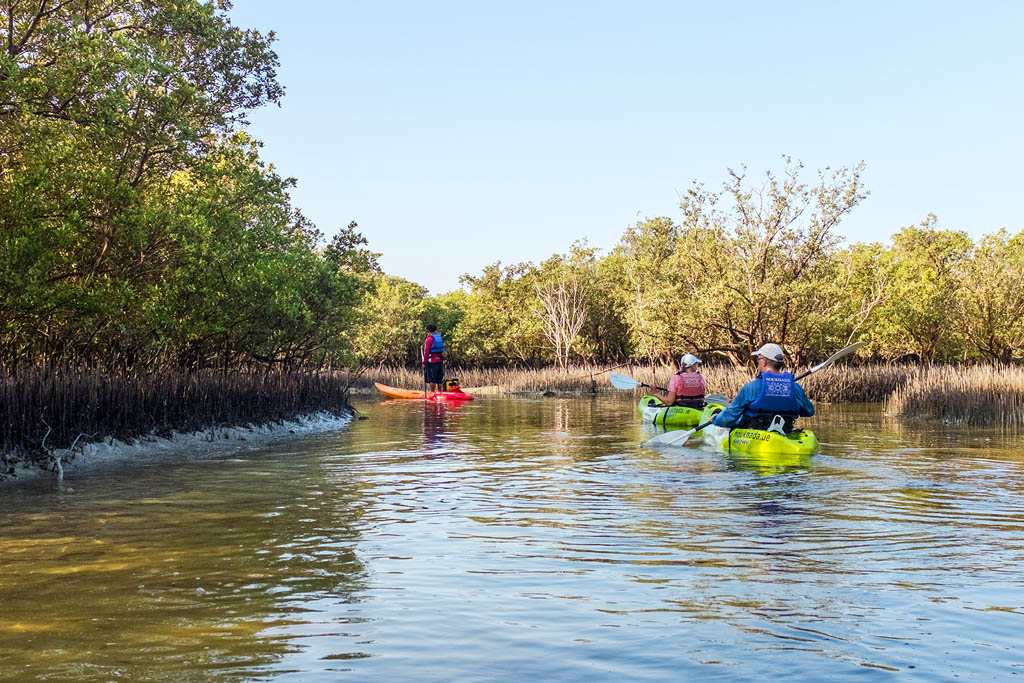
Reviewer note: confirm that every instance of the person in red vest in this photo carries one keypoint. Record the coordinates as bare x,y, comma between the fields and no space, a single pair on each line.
686,388
433,359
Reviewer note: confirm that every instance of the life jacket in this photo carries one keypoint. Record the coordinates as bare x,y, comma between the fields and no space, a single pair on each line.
691,394
436,346
776,398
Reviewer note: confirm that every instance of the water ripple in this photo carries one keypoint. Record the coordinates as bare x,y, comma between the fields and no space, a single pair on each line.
512,539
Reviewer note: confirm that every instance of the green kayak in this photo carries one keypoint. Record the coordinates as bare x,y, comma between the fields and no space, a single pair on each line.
655,412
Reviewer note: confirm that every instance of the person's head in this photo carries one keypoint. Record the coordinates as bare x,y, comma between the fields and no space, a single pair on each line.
431,328
689,363
769,357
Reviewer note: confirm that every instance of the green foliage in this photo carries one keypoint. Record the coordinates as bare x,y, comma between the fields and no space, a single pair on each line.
746,265
767,251
644,287
390,328
991,300
920,313
500,324
137,225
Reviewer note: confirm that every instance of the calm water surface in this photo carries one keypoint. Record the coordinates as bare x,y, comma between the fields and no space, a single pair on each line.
525,539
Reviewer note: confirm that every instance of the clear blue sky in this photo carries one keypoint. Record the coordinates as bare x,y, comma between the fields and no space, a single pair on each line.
462,133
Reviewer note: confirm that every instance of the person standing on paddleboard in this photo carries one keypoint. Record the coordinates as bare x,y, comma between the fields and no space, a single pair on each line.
433,359
686,388
771,394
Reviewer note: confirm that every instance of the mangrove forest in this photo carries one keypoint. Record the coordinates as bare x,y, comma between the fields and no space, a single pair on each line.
143,236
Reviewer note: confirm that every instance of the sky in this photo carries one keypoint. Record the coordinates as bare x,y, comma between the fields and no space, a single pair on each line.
458,134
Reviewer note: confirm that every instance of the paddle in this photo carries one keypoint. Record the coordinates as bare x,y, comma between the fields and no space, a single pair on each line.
681,437
720,399
623,382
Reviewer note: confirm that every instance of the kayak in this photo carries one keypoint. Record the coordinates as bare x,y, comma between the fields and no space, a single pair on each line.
759,441
412,394
654,412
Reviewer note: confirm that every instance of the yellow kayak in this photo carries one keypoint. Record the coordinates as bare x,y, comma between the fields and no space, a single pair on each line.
759,441
655,412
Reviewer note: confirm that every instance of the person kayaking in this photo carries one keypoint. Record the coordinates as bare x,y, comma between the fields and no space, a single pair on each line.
686,388
433,359
772,401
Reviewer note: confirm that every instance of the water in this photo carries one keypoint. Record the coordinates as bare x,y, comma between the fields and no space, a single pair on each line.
525,539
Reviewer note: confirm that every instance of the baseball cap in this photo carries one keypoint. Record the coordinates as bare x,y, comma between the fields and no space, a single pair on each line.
689,359
771,352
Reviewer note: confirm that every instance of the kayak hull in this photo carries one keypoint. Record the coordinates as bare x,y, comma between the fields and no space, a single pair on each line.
758,441
653,411
412,394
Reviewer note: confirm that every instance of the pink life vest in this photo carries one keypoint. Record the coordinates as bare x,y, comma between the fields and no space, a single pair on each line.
689,385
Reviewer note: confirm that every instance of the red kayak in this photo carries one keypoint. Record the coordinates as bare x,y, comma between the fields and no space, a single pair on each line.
412,394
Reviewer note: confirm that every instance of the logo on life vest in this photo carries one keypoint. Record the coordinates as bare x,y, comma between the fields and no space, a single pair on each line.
777,387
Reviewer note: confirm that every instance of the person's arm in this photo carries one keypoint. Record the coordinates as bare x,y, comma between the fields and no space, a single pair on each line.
730,417
426,349
806,407
668,399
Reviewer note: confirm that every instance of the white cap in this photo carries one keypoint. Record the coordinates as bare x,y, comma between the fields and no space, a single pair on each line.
771,352
689,359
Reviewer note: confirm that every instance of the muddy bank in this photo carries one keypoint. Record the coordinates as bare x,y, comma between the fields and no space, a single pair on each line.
168,447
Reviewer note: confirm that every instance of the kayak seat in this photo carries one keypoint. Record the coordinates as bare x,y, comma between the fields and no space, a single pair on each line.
765,423
777,426
696,404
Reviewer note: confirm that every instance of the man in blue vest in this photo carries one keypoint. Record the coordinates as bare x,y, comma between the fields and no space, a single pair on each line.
433,359
772,395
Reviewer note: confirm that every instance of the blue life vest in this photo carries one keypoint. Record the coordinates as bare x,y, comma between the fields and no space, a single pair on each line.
776,398
437,345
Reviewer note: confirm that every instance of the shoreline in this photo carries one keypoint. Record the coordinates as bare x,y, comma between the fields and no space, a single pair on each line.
213,441
49,416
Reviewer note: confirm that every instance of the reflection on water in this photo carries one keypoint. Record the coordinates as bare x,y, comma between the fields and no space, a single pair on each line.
506,539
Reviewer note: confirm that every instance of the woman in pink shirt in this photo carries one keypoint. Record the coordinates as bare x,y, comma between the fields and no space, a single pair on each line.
686,388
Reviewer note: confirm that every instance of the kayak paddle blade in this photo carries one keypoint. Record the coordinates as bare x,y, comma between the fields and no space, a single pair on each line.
846,351
677,438
674,438
622,382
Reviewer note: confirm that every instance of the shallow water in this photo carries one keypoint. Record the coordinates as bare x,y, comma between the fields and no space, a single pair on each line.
511,539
